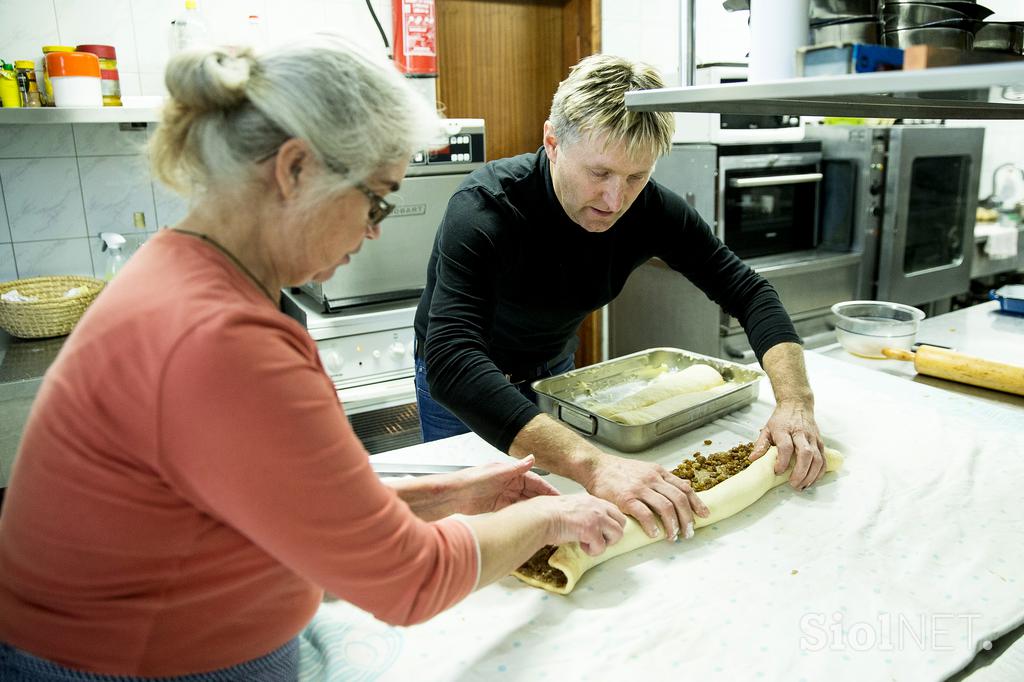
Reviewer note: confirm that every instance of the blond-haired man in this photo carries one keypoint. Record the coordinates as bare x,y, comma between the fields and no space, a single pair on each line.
530,245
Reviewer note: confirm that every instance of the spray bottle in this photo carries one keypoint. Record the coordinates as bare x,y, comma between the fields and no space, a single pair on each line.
116,257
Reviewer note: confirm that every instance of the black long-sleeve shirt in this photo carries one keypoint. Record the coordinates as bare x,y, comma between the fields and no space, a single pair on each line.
511,278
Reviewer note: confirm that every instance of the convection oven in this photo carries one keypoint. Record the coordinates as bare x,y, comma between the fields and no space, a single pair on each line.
905,197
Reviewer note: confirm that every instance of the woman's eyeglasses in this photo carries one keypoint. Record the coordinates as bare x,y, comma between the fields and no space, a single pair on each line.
379,207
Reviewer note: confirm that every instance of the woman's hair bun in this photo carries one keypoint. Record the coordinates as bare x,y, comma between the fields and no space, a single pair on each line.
210,79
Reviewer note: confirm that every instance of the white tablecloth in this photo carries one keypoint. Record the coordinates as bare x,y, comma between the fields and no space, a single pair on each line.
901,566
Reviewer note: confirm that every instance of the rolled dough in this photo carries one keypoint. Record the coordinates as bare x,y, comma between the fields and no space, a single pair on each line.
729,497
667,386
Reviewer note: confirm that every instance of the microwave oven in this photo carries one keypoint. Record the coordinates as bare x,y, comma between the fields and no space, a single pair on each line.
718,128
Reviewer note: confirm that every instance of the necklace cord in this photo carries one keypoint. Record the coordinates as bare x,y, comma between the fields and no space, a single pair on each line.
234,259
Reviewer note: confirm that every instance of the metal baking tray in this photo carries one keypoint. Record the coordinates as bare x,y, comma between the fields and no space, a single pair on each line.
570,397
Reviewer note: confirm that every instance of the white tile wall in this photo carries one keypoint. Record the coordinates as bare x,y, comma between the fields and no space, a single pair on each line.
36,141
27,26
107,139
115,188
103,22
170,207
5,230
8,270
649,31
43,197
54,256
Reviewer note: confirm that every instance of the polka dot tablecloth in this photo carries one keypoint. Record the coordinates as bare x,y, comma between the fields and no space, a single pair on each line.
899,567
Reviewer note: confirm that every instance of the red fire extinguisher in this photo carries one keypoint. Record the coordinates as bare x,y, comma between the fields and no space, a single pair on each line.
415,37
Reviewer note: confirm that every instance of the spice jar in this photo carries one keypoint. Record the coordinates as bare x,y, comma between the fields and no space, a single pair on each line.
75,79
26,70
110,82
46,89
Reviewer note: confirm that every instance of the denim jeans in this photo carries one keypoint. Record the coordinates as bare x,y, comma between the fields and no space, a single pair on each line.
280,665
436,422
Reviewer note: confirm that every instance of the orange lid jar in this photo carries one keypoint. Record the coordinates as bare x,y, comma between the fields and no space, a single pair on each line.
45,88
75,79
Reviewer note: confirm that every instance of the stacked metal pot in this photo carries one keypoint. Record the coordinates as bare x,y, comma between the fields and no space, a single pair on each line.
939,24
845,21
900,23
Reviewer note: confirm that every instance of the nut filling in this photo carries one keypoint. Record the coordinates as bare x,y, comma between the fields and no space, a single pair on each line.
537,568
705,473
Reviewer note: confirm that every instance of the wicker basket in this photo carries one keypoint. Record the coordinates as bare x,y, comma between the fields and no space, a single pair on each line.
51,314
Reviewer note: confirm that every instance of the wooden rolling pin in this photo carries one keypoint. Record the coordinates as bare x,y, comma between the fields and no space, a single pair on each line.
947,364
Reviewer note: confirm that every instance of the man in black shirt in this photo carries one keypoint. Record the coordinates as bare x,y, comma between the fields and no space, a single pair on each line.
530,245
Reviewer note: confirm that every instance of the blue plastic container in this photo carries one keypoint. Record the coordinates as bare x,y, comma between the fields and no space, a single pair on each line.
1010,297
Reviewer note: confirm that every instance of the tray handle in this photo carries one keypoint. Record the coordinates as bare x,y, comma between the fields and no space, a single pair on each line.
584,423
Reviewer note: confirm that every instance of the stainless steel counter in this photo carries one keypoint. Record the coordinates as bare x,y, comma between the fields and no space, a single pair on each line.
981,330
22,366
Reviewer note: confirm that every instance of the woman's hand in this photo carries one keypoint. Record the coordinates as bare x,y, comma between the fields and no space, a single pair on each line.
582,518
491,487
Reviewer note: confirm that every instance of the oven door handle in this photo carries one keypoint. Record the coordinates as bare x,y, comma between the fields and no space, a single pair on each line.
768,180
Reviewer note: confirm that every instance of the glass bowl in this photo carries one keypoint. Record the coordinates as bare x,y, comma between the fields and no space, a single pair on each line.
864,328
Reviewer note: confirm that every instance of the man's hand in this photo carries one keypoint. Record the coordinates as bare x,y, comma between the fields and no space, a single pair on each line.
791,427
647,492
793,431
491,487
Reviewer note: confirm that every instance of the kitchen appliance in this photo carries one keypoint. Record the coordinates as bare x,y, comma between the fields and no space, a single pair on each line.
660,307
714,127
362,317
394,266
572,397
904,197
768,197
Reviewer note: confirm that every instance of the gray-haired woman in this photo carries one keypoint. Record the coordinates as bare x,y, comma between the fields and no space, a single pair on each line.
187,484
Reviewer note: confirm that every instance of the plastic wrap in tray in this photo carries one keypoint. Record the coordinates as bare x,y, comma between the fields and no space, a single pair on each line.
572,397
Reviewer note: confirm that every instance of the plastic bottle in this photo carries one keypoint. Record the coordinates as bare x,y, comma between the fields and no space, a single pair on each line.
10,96
255,36
113,243
188,29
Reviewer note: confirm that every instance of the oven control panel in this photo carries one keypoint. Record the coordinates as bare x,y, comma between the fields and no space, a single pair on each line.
370,357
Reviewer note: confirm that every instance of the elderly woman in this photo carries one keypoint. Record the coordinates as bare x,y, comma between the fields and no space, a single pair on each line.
187,484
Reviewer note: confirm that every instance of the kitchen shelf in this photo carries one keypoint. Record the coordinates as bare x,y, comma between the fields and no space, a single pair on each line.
50,115
943,93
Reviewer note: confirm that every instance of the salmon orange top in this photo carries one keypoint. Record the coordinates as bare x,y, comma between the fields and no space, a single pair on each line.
188,484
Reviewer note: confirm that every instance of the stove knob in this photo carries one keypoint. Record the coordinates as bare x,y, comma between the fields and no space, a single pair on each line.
332,361
397,348
376,354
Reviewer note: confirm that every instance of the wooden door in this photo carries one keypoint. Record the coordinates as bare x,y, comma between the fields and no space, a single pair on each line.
501,60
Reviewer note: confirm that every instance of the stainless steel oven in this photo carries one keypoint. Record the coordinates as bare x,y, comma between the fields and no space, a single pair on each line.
768,197
394,267
362,318
659,307
904,196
